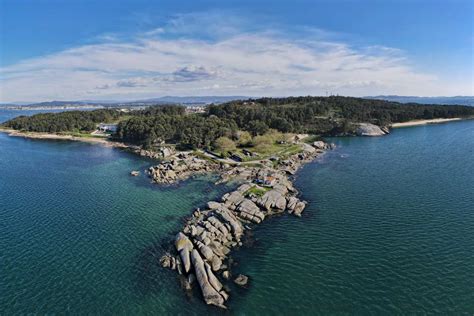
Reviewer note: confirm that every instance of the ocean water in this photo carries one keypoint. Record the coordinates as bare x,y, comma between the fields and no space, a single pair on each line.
388,230
7,114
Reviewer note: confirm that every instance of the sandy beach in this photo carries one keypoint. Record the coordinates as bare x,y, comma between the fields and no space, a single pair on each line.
91,140
424,122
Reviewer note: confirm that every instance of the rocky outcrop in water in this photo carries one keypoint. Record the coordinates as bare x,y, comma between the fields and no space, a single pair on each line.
180,167
202,248
160,153
367,129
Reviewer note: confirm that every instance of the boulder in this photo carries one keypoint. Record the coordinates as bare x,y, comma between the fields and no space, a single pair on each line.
272,199
182,241
191,279
241,280
216,263
233,198
185,259
235,225
212,278
210,294
166,152
319,145
299,208
308,149
184,247
212,205
226,275
291,204
165,261
224,295
250,211
205,251
367,129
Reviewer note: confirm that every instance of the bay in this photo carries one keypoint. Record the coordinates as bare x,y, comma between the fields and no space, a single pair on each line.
388,230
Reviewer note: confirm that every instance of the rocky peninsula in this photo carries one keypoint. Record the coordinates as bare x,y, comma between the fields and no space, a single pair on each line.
202,248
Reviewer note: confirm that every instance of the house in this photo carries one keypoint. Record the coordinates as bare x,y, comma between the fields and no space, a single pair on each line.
269,180
108,128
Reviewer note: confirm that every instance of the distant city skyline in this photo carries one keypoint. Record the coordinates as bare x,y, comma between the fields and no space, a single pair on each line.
131,50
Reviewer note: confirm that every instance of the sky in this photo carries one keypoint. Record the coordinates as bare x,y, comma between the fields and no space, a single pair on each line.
137,49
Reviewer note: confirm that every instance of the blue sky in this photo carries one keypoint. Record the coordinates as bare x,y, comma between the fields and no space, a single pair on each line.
138,49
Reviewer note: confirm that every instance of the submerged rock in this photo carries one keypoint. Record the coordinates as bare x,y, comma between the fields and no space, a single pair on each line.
226,275
241,280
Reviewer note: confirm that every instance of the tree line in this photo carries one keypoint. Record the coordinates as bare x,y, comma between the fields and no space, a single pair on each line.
314,115
326,115
69,121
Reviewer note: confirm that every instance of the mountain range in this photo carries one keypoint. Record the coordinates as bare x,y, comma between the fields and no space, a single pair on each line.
201,100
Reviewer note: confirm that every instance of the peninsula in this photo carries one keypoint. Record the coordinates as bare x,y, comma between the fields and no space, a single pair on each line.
259,142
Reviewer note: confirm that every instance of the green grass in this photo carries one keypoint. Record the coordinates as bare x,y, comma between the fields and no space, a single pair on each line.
200,155
81,134
278,150
257,191
312,138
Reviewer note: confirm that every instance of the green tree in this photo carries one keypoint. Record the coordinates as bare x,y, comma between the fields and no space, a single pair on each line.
224,145
257,127
244,138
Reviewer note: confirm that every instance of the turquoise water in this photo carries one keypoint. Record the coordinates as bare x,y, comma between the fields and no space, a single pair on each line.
388,230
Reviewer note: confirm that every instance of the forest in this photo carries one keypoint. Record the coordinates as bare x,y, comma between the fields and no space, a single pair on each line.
69,121
228,121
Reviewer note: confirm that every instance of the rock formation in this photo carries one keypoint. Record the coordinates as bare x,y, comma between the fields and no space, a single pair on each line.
180,167
203,246
367,129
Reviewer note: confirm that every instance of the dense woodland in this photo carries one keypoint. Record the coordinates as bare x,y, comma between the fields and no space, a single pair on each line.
315,115
70,121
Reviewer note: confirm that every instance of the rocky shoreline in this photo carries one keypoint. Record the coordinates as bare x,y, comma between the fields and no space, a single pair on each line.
202,248
180,167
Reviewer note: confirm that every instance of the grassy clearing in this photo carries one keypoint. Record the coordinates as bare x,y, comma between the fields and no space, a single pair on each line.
256,191
312,138
265,152
81,134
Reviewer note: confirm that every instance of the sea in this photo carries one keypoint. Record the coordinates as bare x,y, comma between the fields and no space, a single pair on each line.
388,230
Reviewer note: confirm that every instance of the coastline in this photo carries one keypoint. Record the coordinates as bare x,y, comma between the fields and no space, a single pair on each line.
201,254
203,246
47,136
426,122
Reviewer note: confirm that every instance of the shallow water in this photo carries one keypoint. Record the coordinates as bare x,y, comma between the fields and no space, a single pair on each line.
388,230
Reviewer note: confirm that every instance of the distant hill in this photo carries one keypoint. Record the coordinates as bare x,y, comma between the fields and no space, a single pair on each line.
190,100
457,100
201,100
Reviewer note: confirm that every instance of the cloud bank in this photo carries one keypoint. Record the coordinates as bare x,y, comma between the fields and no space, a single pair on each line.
175,60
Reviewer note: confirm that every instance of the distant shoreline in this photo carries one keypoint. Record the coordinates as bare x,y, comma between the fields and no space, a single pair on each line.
92,140
52,108
425,122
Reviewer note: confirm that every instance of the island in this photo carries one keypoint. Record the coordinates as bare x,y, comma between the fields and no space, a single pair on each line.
258,143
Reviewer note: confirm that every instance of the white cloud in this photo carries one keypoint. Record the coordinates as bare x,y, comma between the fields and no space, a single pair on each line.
233,63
